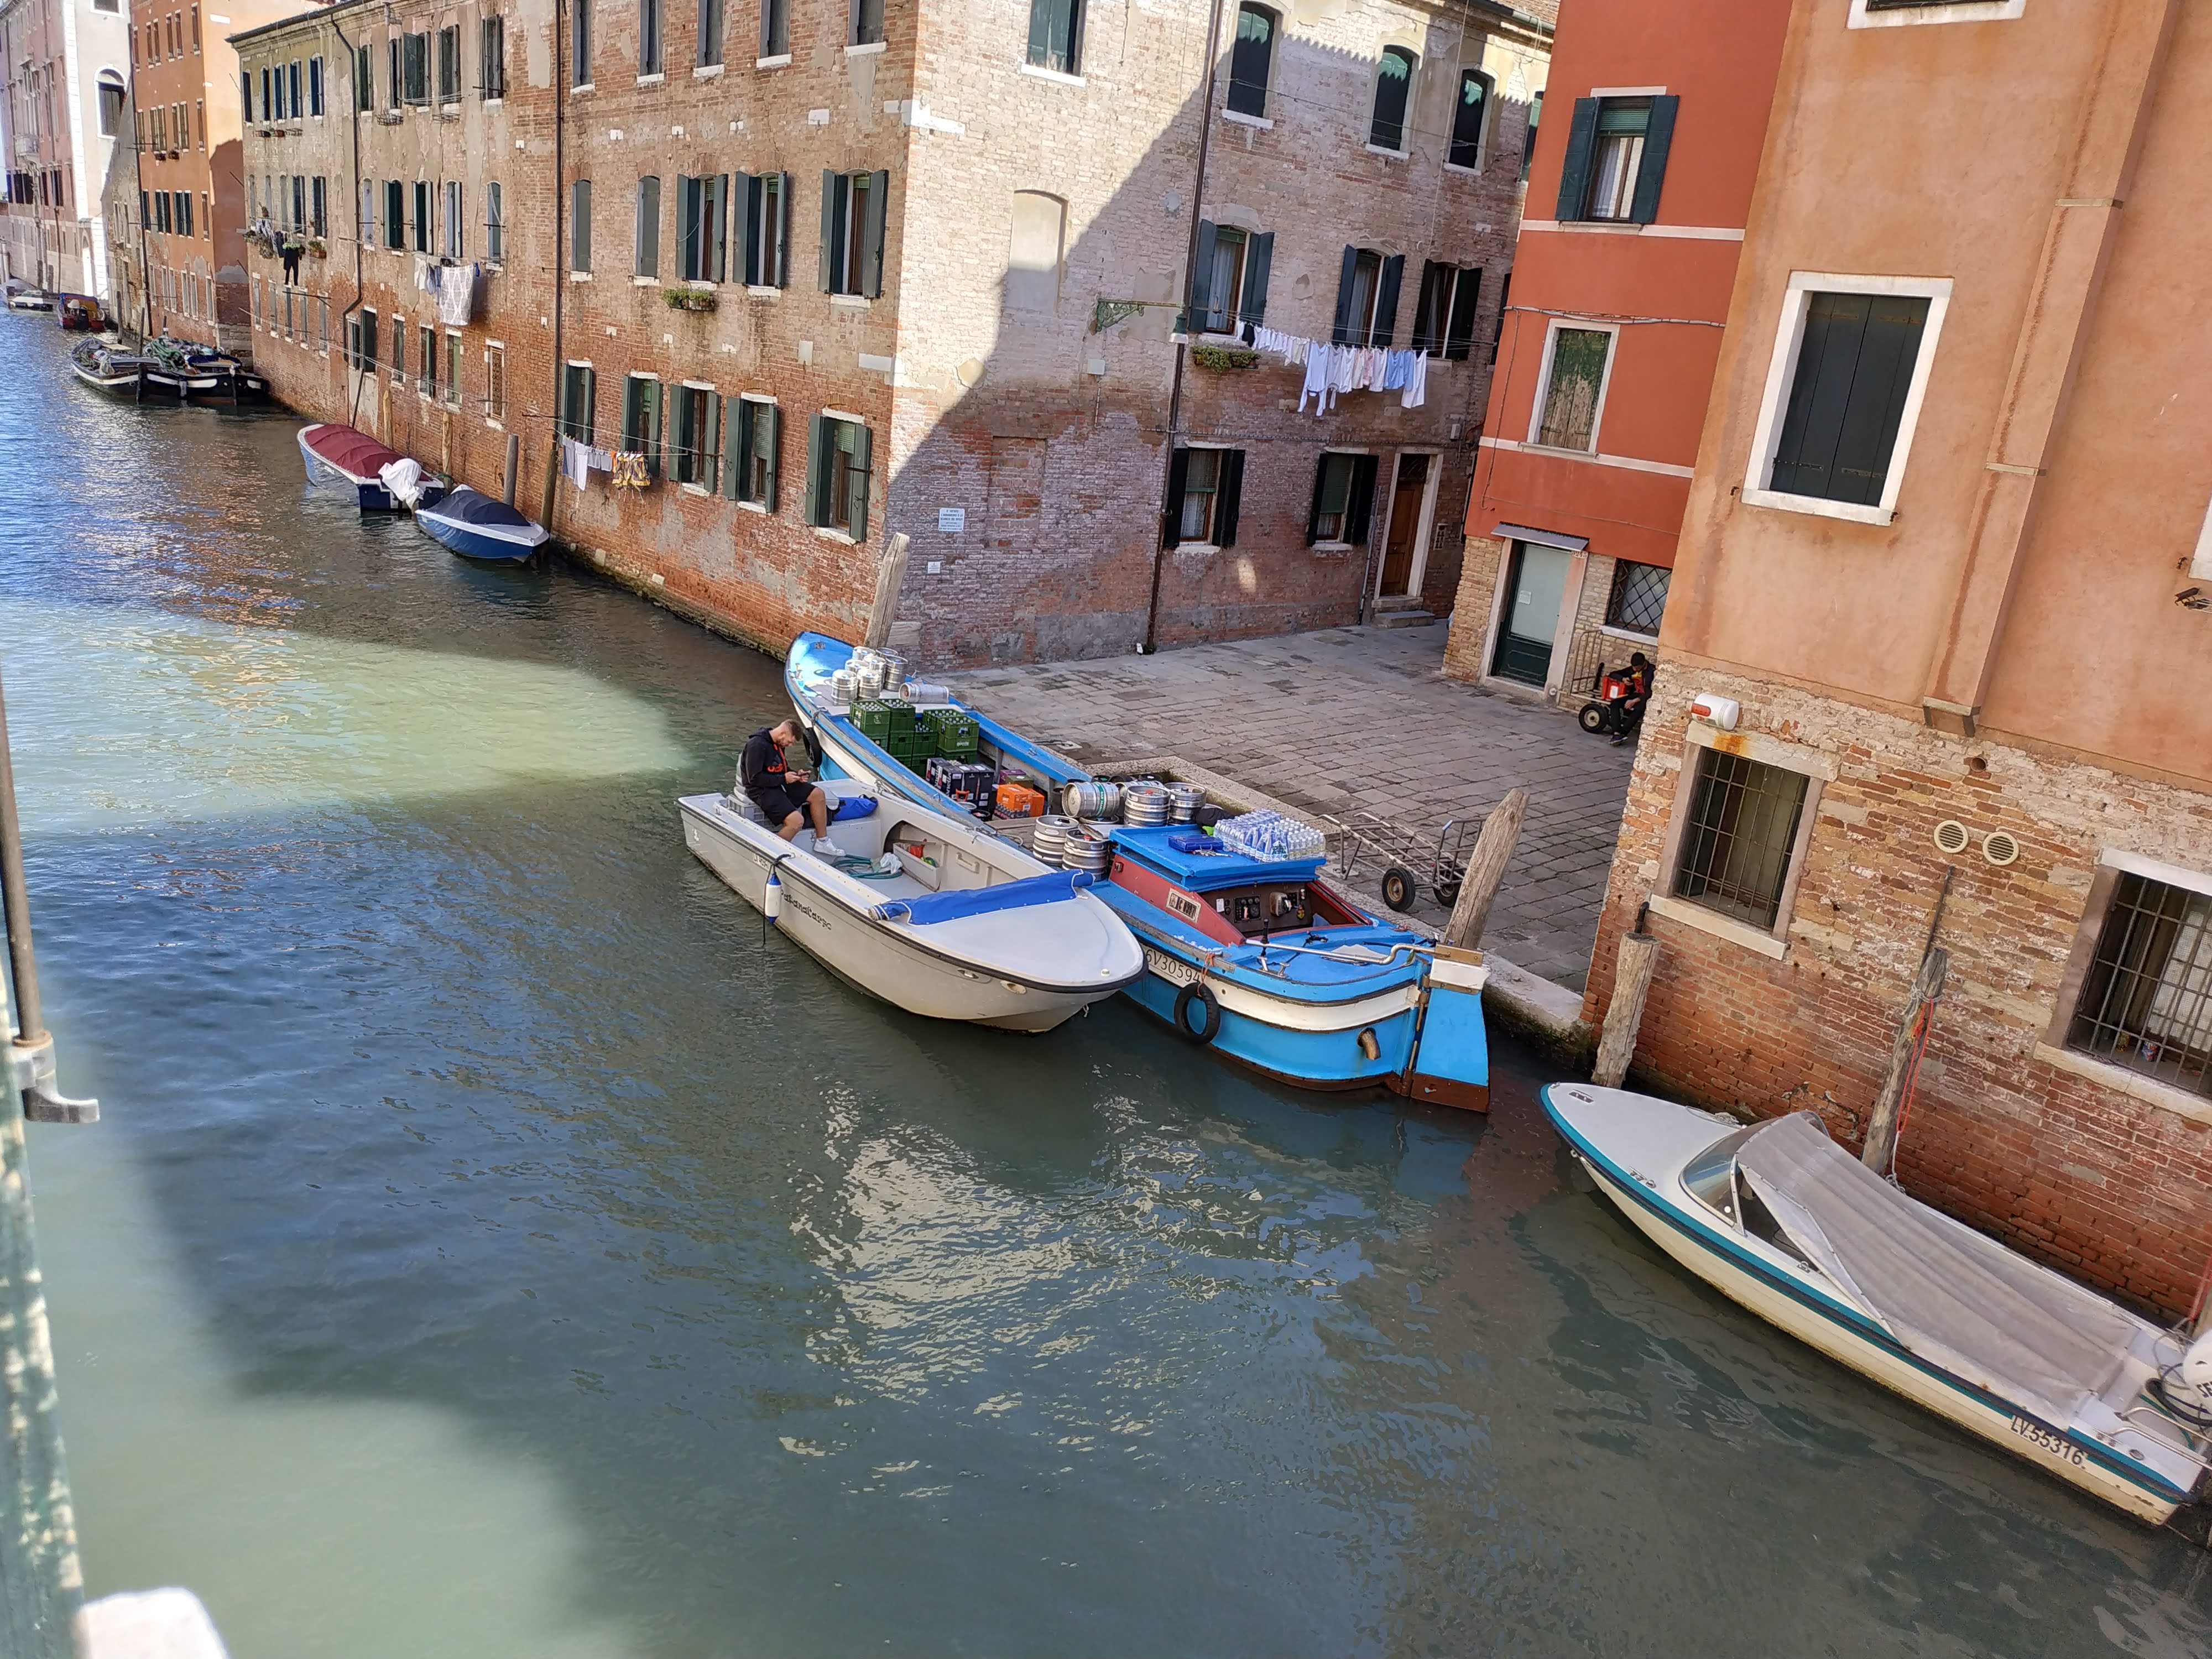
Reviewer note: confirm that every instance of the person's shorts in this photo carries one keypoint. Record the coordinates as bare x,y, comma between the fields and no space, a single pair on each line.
778,803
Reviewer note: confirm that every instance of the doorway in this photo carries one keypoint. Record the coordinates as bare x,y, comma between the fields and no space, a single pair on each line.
1406,540
1535,586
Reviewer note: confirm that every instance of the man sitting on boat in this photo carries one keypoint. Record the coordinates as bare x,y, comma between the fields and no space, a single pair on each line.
782,791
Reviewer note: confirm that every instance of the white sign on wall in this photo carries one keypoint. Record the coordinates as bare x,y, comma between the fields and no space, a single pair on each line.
952,519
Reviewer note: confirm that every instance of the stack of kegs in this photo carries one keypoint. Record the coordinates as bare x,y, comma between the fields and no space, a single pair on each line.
1092,800
1088,853
1145,805
1049,841
842,685
1183,801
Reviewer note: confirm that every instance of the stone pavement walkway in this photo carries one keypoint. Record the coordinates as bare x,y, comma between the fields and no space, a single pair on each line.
1356,719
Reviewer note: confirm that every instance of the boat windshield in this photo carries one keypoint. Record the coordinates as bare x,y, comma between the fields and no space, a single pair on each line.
1710,1175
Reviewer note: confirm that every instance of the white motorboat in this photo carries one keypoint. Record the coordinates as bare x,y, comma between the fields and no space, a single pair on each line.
938,917
1778,1217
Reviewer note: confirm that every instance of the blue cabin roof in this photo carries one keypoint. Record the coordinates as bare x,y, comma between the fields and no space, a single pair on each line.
1200,873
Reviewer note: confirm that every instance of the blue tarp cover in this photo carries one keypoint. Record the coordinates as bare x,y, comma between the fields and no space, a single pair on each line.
470,507
981,900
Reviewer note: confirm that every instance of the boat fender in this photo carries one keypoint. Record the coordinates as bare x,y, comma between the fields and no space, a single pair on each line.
1202,994
2188,1387
772,900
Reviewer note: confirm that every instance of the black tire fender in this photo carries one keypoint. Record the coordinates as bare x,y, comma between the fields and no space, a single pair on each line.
1197,991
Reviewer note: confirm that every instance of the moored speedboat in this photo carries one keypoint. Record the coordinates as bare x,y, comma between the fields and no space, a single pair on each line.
22,296
344,458
958,926
1778,1217
1256,958
199,374
479,526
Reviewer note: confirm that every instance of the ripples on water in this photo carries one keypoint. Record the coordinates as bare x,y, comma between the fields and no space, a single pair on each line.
493,1248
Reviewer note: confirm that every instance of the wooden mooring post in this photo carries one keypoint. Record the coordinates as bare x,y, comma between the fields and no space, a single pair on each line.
1486,870
1636,955
1881,1148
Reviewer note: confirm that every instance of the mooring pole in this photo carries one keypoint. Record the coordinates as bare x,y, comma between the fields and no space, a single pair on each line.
1486,871
1635,957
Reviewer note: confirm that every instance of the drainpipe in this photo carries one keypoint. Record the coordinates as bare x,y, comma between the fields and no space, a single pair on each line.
560,265
353,73
1182,348
145,281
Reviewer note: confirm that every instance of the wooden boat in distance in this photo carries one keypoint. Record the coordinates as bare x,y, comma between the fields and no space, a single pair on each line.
1776,1217
105,367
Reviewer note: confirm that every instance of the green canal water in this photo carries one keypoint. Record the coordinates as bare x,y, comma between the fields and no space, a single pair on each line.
492,1247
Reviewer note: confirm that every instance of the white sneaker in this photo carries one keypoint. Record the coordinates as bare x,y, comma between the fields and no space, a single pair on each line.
826,848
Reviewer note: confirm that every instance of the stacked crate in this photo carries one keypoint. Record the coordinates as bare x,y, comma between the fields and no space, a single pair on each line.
892,723
954,733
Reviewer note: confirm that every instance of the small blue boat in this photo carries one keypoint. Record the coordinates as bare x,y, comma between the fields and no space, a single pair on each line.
475,526
1256,958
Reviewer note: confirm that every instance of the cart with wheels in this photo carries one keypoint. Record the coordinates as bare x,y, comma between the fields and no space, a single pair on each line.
1411,859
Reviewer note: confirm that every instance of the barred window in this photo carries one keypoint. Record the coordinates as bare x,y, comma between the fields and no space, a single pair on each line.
1639,598
2146,1002
1736,842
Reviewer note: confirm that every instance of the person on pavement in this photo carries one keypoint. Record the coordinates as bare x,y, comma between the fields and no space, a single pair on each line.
781,789
1630,715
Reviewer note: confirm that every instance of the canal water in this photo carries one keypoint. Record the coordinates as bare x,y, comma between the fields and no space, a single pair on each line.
492,1246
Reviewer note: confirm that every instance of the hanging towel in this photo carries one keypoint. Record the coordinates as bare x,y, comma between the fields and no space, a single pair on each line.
576,463
1316,383
1417,382
1394,372
602,460
629,470
456,293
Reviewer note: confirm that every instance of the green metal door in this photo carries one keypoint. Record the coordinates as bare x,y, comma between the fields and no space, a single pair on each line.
1539,582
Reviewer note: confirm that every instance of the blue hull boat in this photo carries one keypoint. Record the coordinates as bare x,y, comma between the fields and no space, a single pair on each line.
475,526
1258,959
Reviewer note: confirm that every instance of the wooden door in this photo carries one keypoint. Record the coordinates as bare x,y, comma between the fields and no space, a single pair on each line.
1407,496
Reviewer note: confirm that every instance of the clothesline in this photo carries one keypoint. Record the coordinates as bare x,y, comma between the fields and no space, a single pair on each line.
1332,369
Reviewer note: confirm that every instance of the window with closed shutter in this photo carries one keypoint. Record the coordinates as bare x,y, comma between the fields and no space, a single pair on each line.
1571,389
646,237
1856,357
1055,35
1252,60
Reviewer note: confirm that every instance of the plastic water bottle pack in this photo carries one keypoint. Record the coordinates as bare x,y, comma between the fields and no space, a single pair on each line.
1272,837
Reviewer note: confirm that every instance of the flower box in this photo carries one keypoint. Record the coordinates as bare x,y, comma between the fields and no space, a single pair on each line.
690,299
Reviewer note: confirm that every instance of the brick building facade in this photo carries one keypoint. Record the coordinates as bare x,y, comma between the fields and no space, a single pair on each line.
64,89
847,270
1945,551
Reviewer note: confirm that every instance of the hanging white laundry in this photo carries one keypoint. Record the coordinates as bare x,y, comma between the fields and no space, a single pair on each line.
1417,382
425,274
575,463
1316,382
456,293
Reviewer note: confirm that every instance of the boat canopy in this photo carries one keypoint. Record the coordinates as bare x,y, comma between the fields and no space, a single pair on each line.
1054,888
354,454
472,507
1955,1297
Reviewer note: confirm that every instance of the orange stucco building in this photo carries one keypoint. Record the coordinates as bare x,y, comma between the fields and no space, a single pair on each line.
1942,589
1639,190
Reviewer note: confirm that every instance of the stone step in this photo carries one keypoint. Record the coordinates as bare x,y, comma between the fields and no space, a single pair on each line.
1405,618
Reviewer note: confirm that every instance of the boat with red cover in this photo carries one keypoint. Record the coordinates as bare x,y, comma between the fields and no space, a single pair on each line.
342,458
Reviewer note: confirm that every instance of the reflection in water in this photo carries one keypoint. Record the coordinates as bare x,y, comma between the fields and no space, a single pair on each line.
497,1246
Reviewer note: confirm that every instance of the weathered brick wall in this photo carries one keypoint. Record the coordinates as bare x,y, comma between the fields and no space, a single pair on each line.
1482,565
2105,1176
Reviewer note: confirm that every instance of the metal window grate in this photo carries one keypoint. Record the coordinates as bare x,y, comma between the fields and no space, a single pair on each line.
1735,847
1639,598
2147,1003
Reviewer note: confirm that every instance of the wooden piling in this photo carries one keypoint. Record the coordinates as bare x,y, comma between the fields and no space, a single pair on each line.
891,574
513,464
552,478
1632,982
1486,870
1881,1148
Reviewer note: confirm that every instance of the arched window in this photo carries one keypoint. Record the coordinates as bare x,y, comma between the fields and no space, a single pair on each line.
1033,251
1469,116
111,97
1252,60
1393,96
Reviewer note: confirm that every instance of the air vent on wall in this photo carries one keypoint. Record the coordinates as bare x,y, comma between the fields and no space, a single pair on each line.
1999,848
1951,837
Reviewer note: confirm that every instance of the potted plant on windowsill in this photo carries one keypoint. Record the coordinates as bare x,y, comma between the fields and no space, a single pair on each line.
318,248
690,299
1223,359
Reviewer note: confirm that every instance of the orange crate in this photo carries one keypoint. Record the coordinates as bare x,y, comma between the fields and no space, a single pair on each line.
1018,801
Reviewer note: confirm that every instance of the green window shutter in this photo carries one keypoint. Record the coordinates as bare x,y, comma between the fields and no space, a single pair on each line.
1342,334
831,214
1194,319
1386,300
1360,505
1258,261
1855,363
1231,489
733,446
1575,171
1178,481
857,476
817,469
782,277
1651,171
872,238
745,195
687,227
718,241
1320,492
655,404
767,434
709,438
1459,329
1425,321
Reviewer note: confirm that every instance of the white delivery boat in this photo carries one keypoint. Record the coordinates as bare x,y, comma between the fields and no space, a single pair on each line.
1780,1219
959,925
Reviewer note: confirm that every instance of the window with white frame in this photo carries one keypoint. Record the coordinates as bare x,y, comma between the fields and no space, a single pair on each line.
451,230
1615,164
2143,966
1567,405
1443,321
495,223
767,206
837,461
697,444
1850,366
854,215
495,405
750,446
1231,286
1883,14
453,370
425,354
1367,285
1343,500
1205,487
1739,837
